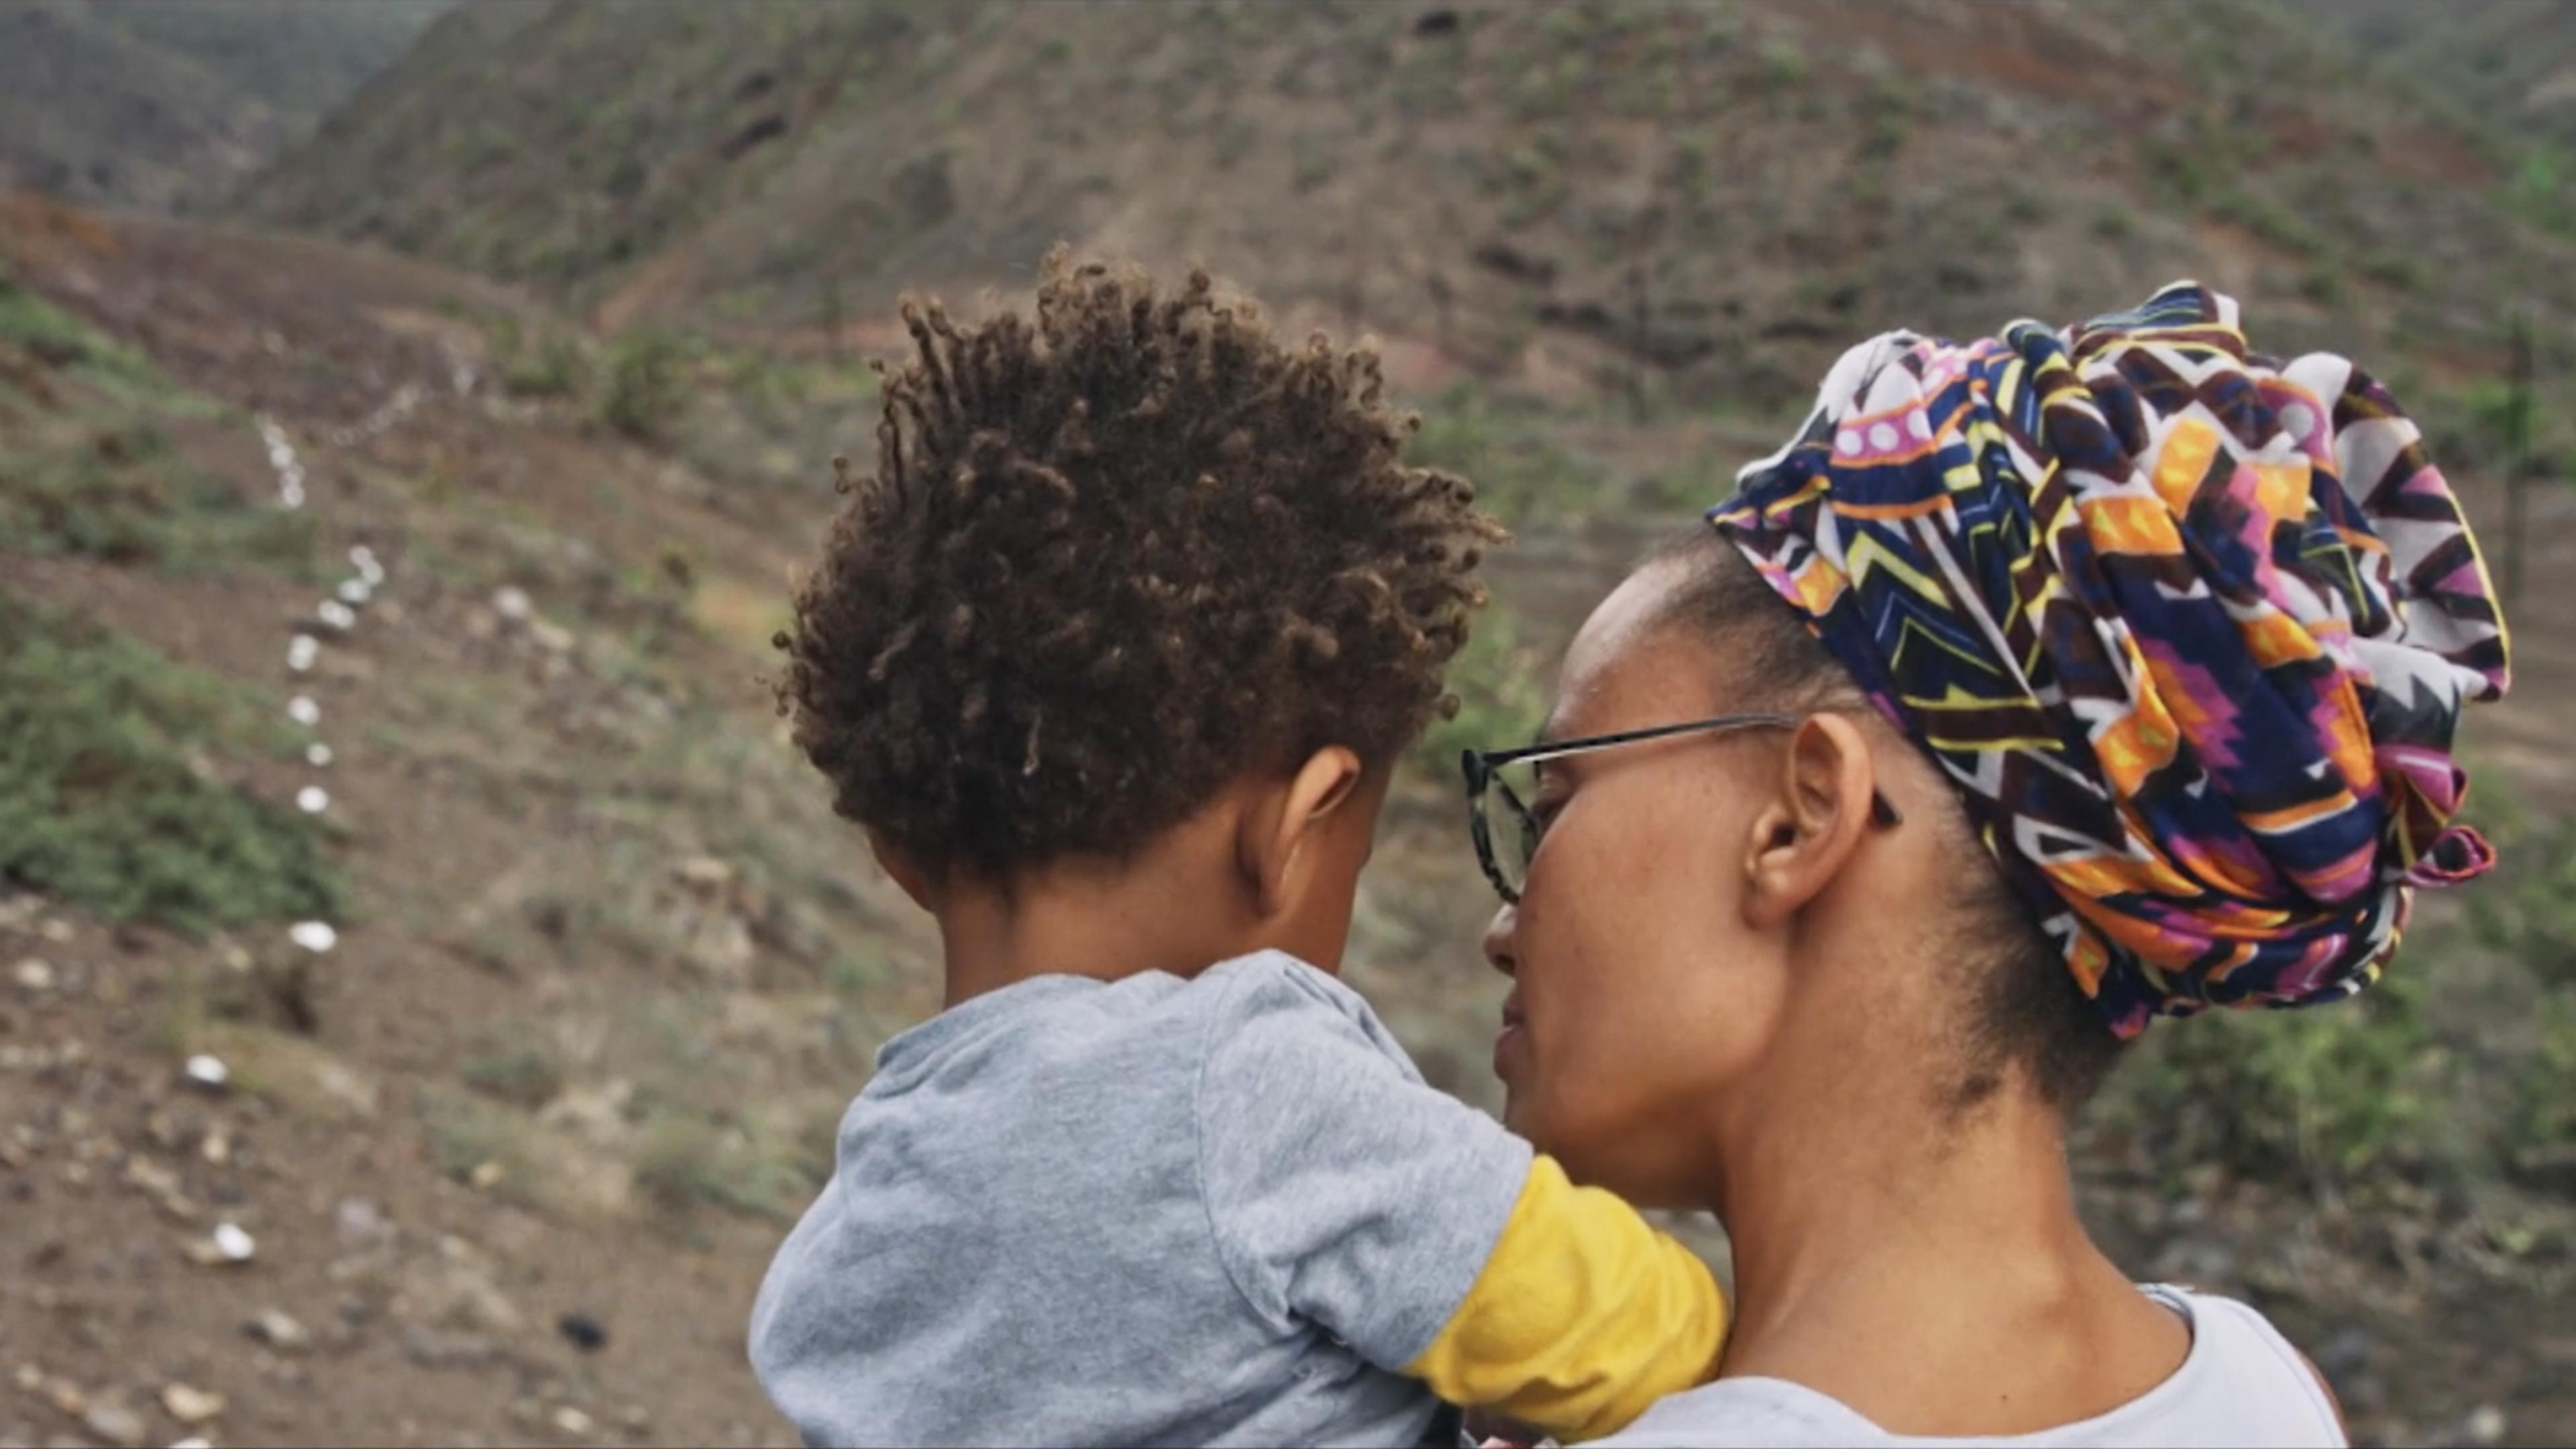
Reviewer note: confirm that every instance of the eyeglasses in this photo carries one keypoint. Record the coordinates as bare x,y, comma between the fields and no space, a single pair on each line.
1511,775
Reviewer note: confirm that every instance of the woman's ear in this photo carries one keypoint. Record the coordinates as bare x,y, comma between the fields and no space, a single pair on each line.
1273,843
1819,810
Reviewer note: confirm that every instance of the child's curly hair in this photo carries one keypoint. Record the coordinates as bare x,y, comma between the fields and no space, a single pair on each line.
1110,561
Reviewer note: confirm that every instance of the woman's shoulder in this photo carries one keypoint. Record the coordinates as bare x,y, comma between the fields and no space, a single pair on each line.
1746,1411
2241,1384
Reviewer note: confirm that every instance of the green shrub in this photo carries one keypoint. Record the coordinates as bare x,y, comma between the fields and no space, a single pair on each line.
122,493
2314,1095
1502,696
2456,1065
2528,917
2529,914
1516,467
686,1160
463,1133
59,340
105,795
645,385
550,365
516,1066
2543,1112
1784,64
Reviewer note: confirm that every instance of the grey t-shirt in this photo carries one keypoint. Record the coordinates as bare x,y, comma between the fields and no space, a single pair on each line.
1151,1211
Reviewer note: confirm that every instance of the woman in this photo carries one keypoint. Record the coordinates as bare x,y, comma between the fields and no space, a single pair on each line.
2116,679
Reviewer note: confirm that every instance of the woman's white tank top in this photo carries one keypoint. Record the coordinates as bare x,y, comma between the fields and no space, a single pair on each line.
2241,1384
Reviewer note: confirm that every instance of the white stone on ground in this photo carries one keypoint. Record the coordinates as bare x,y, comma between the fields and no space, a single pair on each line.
236,1246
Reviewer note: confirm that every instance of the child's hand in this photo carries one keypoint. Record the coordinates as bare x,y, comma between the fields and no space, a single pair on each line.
1494,1431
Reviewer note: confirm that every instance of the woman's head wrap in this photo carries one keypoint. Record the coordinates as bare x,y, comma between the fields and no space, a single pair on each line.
2189,628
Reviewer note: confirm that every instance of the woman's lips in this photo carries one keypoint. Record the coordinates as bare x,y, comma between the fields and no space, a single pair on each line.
1513,1040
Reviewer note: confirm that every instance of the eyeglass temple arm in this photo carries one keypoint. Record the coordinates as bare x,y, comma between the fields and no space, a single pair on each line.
1483,763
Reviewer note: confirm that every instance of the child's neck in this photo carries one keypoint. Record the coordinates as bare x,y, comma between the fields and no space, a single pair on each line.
1104,920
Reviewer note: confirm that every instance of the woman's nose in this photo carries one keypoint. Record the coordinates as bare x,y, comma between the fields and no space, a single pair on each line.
1498,941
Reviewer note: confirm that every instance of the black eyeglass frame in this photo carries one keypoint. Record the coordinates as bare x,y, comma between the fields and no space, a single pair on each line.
1483,768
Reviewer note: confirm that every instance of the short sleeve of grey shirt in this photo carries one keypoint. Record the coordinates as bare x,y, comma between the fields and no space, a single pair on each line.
1221,1210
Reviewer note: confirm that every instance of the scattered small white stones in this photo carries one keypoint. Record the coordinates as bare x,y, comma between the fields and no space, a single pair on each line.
207,1071
113,1424
395,409
281,456
279,1331
33,974
229,1247
511,602
193,1441
572,1421
336,612
190,1405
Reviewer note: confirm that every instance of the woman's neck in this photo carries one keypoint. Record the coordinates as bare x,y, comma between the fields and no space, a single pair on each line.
1936,1280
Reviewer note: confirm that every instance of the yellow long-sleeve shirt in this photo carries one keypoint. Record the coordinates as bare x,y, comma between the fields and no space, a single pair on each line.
1584,1315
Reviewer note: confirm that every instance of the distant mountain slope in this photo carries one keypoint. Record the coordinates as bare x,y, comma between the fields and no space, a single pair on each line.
2512,62
162,103
1693,197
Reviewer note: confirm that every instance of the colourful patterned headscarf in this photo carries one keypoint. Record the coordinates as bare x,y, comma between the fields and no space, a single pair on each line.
2188,627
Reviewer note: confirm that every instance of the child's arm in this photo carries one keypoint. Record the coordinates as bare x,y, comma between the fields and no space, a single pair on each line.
1583,1316
1345,1194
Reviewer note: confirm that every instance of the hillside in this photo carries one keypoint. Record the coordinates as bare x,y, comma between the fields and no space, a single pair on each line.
506,1159
555,388
161,104
2510,62
1636,197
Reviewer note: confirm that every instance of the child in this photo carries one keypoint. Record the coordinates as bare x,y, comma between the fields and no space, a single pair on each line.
1111,658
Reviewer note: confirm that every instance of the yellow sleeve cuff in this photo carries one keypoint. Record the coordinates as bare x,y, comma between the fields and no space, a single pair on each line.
1582,1317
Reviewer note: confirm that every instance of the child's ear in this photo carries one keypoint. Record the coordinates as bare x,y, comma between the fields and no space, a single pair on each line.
904,871
1275,834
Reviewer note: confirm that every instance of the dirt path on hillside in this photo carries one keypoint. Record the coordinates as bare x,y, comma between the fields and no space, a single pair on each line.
385,1300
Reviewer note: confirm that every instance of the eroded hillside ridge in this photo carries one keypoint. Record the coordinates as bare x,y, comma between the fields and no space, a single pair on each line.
1614,195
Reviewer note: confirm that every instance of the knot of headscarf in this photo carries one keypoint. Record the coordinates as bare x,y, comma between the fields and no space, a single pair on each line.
2189,629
